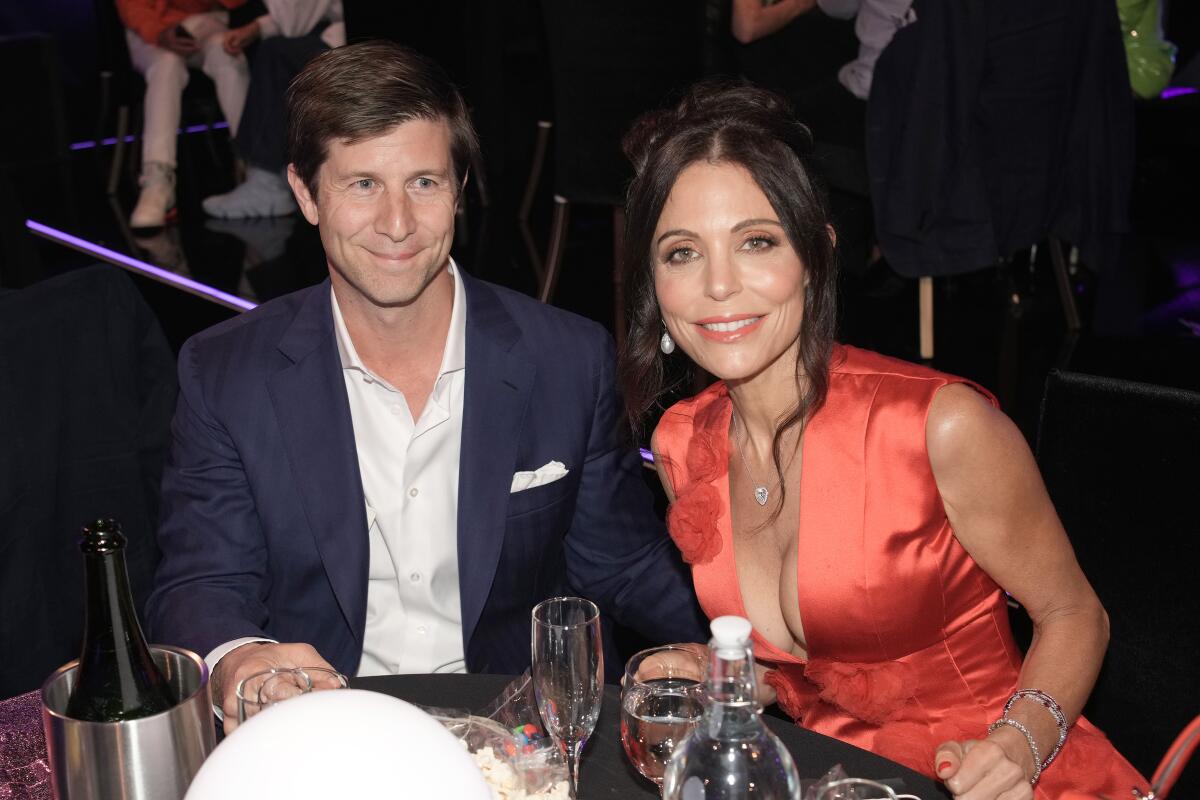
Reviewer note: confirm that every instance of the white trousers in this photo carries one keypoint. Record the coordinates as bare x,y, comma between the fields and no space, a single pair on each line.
166,74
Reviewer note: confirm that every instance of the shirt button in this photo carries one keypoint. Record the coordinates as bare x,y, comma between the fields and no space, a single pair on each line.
415,577
421,629
413,492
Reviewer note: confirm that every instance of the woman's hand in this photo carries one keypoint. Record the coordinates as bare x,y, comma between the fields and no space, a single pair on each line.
996,768
238,39
766,692
667,662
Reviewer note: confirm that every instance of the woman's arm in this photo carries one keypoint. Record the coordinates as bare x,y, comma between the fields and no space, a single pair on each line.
1002,515
752,20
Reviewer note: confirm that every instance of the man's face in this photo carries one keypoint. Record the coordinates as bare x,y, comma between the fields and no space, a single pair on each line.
385,209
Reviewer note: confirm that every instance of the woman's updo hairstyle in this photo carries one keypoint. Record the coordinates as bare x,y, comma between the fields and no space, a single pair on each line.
731,122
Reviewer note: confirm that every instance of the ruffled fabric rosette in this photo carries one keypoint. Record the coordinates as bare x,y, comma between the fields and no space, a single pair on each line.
871,692
693,518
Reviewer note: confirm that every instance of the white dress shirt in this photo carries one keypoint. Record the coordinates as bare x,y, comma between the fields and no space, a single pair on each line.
410,485
409,475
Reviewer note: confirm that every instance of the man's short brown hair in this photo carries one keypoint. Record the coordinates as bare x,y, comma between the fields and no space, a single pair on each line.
364,90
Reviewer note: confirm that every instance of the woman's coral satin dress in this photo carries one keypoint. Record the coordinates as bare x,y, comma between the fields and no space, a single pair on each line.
908,638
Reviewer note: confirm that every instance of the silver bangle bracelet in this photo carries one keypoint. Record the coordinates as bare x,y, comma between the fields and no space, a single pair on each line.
1047,702
1037,757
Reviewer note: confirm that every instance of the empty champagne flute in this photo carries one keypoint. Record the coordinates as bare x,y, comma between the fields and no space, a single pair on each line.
568,674
662,699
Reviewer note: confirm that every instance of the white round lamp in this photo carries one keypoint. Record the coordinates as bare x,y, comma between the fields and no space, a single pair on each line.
344,743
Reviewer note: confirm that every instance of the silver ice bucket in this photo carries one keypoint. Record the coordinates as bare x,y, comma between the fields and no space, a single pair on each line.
152,758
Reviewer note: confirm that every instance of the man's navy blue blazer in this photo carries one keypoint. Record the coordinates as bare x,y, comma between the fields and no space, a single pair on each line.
264,529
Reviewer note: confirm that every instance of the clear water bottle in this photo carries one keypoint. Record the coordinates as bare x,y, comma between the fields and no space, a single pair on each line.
731,755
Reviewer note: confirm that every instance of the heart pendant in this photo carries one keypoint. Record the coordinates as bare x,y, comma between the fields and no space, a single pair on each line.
760,494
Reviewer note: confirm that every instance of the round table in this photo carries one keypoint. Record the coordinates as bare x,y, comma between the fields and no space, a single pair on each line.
606,772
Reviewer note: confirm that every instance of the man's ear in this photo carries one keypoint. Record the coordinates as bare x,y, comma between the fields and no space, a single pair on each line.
832,235
304,198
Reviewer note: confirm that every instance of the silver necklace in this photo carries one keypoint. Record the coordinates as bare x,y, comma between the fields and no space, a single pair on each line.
761,492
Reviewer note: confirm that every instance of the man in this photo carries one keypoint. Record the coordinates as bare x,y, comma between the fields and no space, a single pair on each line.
165,37
385,472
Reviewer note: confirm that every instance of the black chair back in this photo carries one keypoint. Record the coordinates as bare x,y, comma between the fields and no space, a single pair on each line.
1122,463
112,55
611,61
995,123
87,390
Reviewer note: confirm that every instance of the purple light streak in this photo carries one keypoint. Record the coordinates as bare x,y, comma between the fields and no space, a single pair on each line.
647,456
1177,91
111,140
129,262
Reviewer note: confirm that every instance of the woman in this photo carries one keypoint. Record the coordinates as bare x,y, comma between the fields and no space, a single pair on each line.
862,512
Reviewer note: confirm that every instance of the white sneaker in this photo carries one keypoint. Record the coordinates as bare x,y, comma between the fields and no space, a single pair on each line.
156,203
262,194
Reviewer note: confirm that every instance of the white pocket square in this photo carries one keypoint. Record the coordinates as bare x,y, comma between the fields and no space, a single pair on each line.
539,477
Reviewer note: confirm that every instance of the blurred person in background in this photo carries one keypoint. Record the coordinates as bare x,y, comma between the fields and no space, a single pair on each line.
824,62
289,35
165,37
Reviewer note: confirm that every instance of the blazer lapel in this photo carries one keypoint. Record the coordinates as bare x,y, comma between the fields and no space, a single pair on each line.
314,419
495,402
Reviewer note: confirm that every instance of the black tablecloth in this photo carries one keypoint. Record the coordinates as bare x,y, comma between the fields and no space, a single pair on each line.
606,772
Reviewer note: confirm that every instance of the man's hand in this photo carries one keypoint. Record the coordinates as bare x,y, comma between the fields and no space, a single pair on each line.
249,659
985,769
238,39
170,39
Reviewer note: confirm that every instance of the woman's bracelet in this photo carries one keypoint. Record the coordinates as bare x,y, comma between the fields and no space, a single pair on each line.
1037,757
1047,702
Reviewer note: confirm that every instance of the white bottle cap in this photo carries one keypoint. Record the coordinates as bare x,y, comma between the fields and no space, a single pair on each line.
730,632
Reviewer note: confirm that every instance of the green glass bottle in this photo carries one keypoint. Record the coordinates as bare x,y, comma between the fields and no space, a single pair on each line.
117,678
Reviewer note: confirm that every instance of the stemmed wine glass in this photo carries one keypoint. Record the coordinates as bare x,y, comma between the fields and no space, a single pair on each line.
568,673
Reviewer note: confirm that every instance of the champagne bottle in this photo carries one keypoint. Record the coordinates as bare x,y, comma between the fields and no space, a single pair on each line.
117,678
731,754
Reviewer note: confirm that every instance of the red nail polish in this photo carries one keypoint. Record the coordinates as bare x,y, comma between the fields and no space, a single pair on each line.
943,766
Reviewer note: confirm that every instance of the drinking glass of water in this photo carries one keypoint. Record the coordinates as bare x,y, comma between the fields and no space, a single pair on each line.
263,689
856,789
662,700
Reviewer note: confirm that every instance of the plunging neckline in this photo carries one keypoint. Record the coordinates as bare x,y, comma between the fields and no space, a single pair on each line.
769,650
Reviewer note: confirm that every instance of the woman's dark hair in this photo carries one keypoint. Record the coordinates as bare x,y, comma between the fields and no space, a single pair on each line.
730,122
